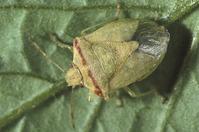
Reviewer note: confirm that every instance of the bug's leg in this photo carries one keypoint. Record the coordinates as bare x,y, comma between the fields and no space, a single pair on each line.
59,42
133,93
92,28
46,56
119,100
118,9
71,110
89,96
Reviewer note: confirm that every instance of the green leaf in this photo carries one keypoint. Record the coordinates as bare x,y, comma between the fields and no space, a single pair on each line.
34,97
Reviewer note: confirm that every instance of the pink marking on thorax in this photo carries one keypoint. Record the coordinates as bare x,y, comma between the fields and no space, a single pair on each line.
76,45
97,89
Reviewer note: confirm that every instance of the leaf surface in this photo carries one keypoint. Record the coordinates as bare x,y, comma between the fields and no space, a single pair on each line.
35,98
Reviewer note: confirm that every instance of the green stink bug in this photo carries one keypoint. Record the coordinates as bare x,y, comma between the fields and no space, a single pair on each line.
117,54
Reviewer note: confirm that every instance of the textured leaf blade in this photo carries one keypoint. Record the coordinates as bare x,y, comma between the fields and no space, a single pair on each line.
68,19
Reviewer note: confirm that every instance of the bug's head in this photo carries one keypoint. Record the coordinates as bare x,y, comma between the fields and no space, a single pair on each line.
73,77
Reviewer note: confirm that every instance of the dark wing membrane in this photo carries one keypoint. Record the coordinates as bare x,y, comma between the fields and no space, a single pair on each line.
153,39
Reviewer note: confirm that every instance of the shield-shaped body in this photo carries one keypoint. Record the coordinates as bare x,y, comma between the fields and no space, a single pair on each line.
117,54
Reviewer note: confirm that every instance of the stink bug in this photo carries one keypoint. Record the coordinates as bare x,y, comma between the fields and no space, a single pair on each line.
116,55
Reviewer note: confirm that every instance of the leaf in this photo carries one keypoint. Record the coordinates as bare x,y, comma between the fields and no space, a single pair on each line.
33,96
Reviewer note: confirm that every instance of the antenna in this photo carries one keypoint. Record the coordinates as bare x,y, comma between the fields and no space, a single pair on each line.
46,56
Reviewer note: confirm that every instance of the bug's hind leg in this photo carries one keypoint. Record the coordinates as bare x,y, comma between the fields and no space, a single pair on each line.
133,93
119,99
59,42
